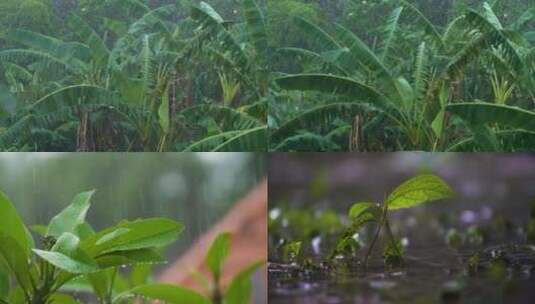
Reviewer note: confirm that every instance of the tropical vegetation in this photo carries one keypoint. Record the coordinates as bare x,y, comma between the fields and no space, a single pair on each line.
387,77
129,76
257,75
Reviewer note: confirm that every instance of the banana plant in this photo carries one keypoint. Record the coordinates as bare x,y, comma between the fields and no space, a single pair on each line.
126,94
405,92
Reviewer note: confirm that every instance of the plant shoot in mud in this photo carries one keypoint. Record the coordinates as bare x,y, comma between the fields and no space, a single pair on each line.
414,192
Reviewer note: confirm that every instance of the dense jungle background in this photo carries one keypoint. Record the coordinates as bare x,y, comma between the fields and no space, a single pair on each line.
188,75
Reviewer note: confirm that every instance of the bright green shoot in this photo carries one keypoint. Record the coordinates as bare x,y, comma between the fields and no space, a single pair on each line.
414,192
238,292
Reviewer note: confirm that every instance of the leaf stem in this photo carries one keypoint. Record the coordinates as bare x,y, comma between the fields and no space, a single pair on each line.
393,240
376,236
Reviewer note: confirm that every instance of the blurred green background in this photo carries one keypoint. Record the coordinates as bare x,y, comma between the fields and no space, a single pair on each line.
196,189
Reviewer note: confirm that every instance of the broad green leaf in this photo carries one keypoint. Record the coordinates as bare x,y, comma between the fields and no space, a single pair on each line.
240,289
209,13
482,113
331,84
170,294
12,226
100,281
130,257
358,209
65,262
217,254
140,274
67,255
16,296
138,234
14,257
256,27
72,216
438,123
84,231
246,141
405,91
39,229
418,190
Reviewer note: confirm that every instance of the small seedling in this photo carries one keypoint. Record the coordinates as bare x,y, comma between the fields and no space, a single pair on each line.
414,192
291,251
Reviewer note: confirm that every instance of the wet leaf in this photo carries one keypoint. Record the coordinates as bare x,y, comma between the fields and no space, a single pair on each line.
393,254
131,257
240,289
164,292
418,190
65,262
291,251
217,254
13,227
360,208
72,216
346,245
67,255
143,233
13,256
100,281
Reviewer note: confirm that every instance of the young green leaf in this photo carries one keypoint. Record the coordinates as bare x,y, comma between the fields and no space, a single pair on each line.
291,251
12,226
360,208
130,257
72,216
168,293
65,262
217,254
100,281
418,190
12,254
240,289
67,255
143,233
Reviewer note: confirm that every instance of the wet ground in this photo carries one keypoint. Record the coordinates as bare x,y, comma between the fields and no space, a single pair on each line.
430,275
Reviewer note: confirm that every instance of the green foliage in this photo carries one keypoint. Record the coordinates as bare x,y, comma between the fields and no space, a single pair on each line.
418,190
291,251
73,252
133,91
169,293
413,192
448,61
217,254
